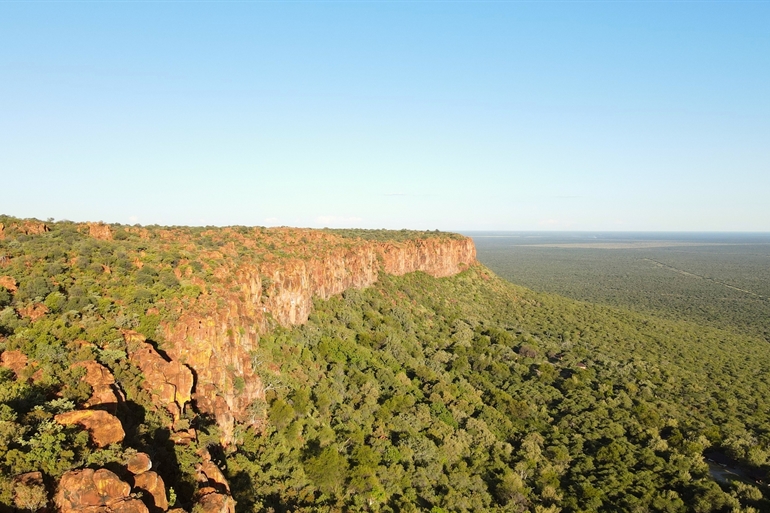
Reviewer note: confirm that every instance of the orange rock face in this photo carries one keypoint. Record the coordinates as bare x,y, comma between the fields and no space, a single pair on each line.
32,228
139,463
95,491
33,311
14,360
215,336
9,283
104,428
209,475
170,383
154,489
99,231
101,381
216,503
433,256
28,227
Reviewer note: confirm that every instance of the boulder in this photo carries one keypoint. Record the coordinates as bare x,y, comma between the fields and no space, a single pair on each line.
14,360
209,474
154,490
101,380
95,491
125,506
139,463
104,428
214,502
184,437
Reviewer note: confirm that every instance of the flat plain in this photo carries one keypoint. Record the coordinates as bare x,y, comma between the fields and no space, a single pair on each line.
718,279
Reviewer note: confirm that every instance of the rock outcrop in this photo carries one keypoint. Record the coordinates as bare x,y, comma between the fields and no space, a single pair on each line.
210,501
32,227
14,360
209,474
139,463
99,231
33,311
9,283
169,382
96,491
26,227
153,489
101,380
104,428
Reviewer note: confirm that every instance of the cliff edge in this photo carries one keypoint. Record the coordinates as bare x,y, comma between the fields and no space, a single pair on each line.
217,334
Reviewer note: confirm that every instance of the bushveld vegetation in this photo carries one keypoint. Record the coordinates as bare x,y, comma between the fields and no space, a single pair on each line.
724,282
471,394
464,393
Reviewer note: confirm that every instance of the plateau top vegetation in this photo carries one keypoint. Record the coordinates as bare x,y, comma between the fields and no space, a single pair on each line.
150,369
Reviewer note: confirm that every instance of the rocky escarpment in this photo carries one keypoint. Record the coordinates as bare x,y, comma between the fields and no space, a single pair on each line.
217,335
153,326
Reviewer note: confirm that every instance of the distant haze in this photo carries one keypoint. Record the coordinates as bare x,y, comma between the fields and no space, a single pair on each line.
426,115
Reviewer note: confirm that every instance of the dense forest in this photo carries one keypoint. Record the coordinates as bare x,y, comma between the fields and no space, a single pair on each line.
464,393
470,394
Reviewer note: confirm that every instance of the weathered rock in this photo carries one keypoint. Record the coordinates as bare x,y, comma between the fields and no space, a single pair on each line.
30,478
101,380
104,428
95,491
184,437
32,228
214,502
33,311
99,231
169,383
209,474
139,463
9,283
436,257
154,488
128,506
14,360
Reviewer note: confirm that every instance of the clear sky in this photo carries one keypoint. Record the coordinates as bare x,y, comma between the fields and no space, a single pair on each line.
453,115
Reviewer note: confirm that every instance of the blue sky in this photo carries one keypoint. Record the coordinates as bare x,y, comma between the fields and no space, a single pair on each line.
450,115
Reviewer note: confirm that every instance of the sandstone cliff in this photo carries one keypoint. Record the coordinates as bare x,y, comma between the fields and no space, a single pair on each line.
215,337
215,292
